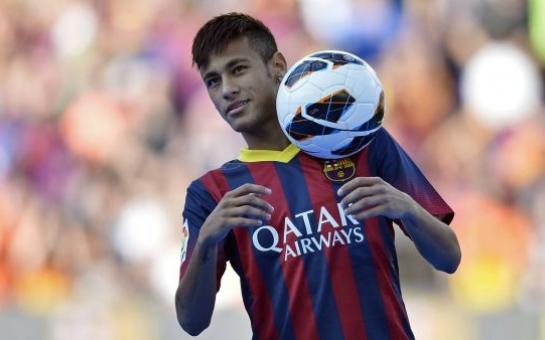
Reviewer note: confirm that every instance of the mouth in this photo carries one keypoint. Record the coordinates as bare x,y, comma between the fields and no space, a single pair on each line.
236,107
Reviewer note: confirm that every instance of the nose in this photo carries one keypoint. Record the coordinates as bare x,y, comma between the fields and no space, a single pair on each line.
229,88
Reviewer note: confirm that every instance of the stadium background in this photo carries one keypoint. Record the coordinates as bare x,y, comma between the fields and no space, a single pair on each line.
103,123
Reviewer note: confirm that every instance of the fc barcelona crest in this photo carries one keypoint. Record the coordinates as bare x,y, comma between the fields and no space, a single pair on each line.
339,170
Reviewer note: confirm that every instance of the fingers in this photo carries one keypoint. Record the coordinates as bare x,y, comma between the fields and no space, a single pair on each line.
249,212
373,212
361,204
233,222
362,192
241,207
358,182
244,206
252,200
249,188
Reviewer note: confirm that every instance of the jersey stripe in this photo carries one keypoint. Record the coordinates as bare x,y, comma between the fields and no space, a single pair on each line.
382,267
388,238
341,273
294,272
393,311
261,275
214,184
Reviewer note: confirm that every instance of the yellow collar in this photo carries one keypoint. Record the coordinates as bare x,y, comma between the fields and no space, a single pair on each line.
284,156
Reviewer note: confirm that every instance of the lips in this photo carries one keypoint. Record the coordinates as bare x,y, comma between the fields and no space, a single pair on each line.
236,106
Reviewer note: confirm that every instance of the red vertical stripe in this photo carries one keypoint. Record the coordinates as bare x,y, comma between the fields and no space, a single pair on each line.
215,184
394,314
300,301
262,308
340,266
263,323
217,193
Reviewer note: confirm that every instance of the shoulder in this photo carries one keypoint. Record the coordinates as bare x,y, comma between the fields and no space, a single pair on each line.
382,138
198,191
383,145
213,182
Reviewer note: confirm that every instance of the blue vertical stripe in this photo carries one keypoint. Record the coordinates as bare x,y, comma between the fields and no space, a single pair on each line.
316,267
270,267
389,243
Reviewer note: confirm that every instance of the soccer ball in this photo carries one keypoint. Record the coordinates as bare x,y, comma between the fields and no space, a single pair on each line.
330,104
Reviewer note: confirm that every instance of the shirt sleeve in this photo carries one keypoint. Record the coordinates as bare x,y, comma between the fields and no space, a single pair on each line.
198,205
396,167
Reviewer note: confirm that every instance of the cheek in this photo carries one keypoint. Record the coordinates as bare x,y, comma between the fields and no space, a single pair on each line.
267,91
215,99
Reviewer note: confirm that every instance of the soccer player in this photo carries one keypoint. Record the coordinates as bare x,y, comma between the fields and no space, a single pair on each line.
315,254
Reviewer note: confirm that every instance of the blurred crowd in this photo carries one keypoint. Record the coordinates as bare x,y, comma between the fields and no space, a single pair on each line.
104,122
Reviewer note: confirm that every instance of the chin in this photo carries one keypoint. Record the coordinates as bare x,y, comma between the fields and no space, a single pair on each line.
243,128
240,126
250,121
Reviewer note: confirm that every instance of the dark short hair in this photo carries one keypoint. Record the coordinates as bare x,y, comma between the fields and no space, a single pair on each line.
216,34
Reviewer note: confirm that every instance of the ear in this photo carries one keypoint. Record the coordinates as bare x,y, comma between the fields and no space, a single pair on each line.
277,66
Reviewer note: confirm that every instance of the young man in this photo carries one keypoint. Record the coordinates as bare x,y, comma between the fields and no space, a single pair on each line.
315,256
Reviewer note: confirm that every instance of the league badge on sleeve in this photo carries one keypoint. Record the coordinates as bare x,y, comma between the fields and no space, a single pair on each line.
339,170
185,240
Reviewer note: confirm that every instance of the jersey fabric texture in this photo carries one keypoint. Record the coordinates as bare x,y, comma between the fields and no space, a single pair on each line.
312,272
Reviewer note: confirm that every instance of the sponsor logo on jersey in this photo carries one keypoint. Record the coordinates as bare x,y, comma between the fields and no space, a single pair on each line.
300,236
339,170
185,239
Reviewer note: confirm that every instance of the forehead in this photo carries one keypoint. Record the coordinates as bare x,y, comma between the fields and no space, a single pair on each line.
236,49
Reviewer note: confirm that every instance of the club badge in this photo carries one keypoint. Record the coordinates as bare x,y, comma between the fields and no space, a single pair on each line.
339,170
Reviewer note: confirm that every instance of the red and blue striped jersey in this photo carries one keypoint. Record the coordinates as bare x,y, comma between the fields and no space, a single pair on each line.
312,272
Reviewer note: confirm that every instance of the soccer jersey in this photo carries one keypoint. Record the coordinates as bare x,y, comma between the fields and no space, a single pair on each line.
311,271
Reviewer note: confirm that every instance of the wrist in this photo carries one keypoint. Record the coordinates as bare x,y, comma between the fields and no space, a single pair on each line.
413,208
203,241
204,248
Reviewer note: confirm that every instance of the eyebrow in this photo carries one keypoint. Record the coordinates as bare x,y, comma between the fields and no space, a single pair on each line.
228,65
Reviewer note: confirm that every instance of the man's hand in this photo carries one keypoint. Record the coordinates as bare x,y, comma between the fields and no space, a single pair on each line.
366,197
242,207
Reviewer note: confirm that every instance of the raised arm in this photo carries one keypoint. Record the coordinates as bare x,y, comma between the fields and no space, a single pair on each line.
366,197
196,293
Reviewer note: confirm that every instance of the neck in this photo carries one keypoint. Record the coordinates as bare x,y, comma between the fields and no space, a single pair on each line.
271,137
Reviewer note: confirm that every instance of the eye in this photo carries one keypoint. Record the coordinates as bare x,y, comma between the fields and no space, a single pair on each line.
239,69
210,82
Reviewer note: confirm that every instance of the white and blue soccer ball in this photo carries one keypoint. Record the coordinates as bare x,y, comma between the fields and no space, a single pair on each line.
330,104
